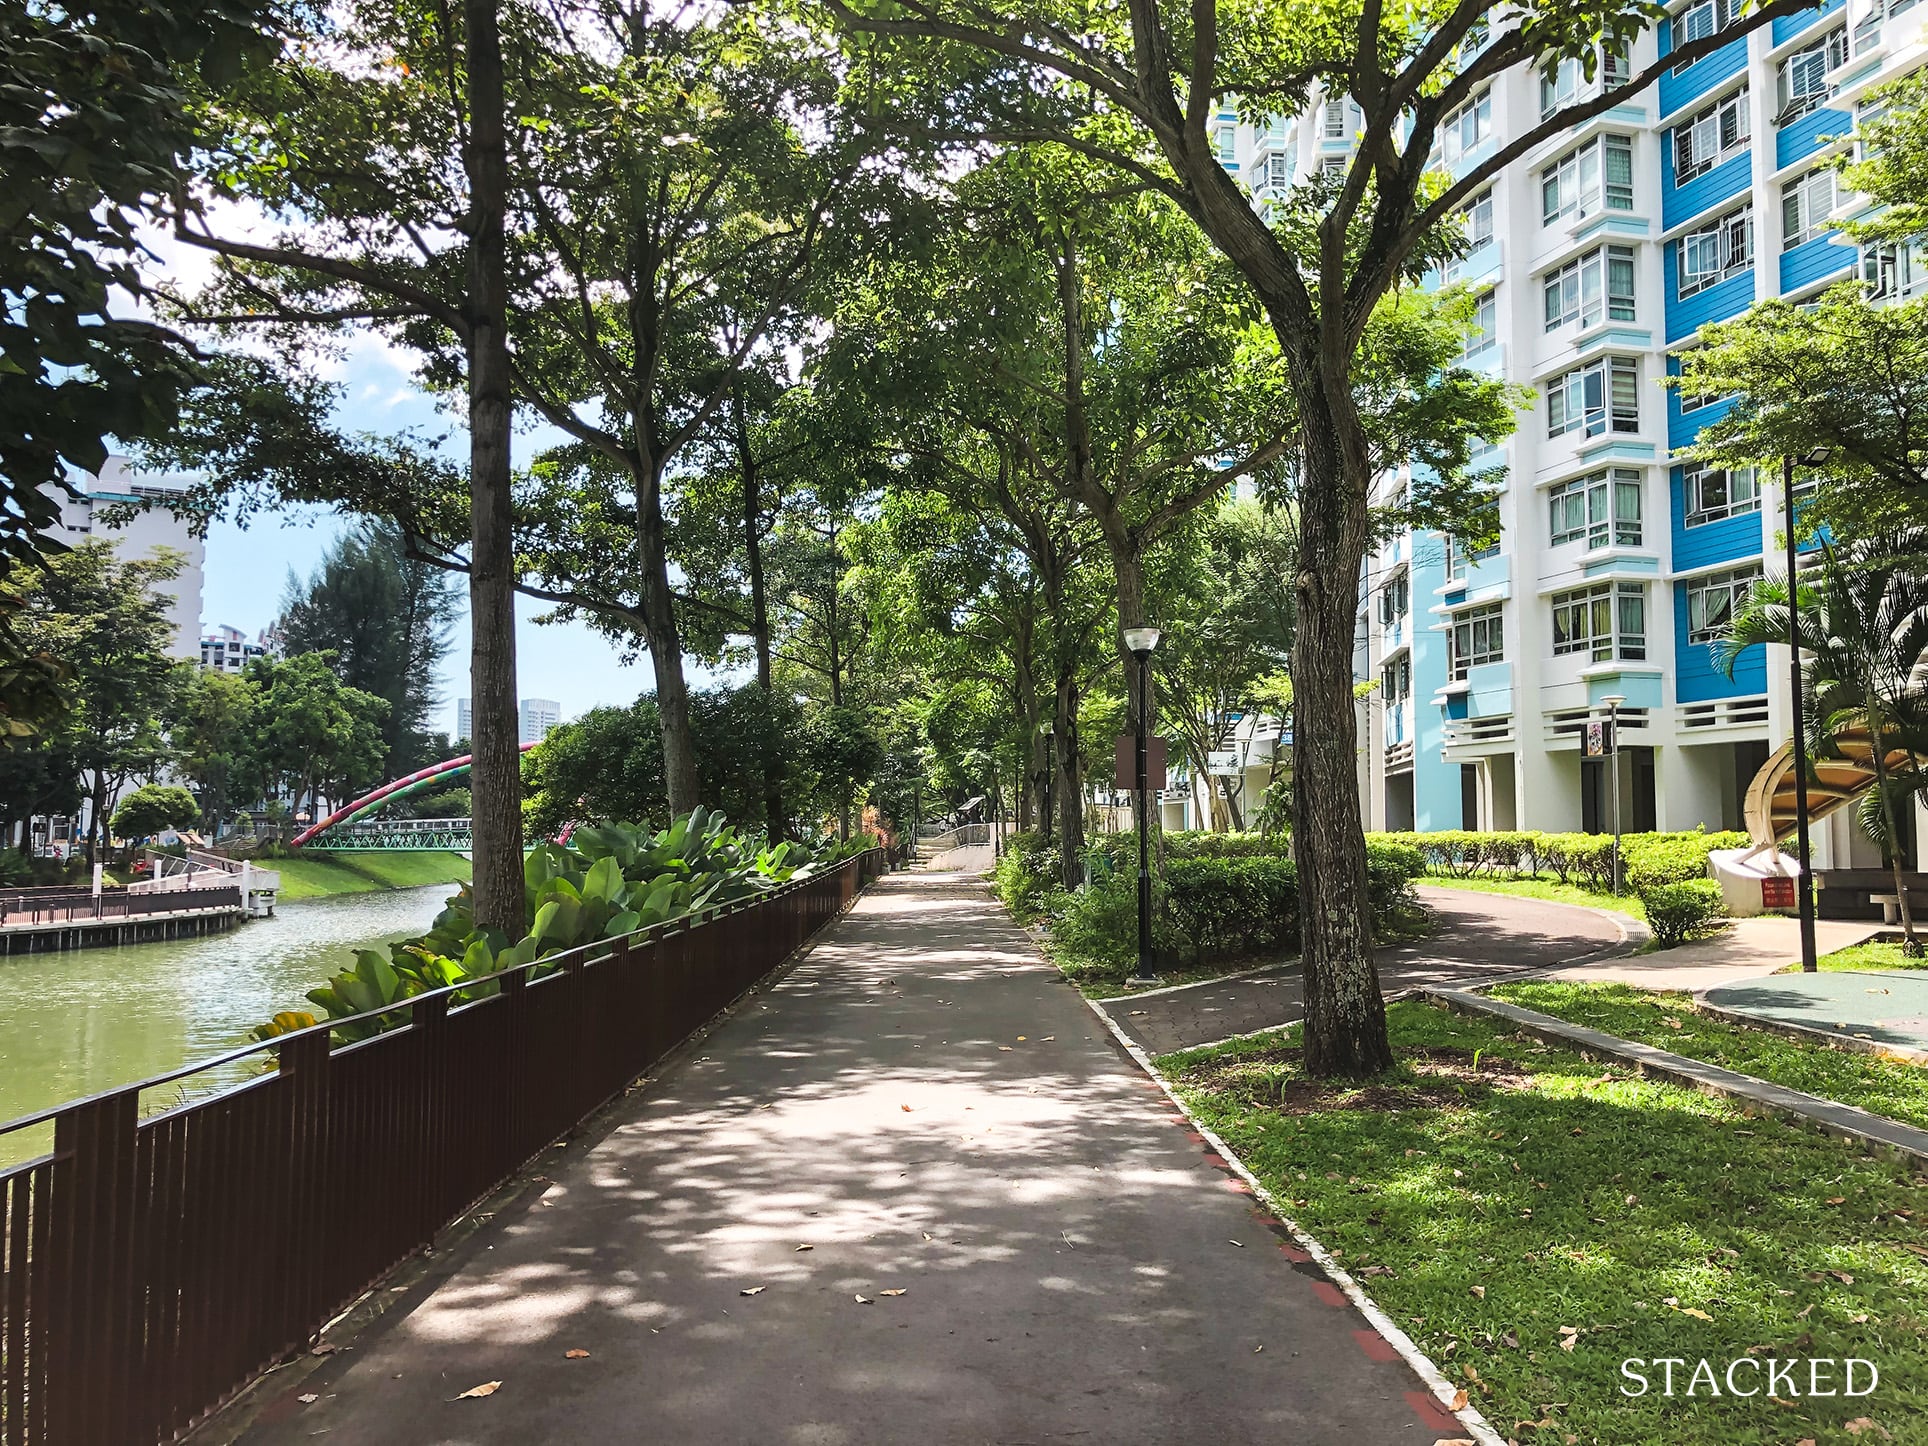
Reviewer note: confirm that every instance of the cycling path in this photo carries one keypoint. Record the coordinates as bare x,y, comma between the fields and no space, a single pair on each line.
913,1192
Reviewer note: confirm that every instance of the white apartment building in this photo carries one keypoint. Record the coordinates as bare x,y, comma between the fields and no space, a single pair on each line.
153,526
539,717
227,650
1595,259
464,719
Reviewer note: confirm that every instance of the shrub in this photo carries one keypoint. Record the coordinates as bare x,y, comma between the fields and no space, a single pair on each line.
1095,929
1026,874
1231,906
1683,911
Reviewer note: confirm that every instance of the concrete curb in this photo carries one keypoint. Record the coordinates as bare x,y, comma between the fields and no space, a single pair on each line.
1477,1426
1808,1034
1844,1122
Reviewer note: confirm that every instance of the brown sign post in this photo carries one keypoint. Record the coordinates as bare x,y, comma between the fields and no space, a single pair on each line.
1127,761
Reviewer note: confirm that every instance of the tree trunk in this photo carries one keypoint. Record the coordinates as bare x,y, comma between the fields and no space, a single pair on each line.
495,778
1910,945
1345,1016
774,814
666,655
1070,780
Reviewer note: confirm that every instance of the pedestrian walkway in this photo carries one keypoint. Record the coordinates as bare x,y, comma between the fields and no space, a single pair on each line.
1481,938
914,1193
1745,949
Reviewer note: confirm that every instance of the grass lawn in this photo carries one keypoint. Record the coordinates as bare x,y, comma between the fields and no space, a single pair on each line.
1864,956
1667,1020
1533,1220
358,871
1547,889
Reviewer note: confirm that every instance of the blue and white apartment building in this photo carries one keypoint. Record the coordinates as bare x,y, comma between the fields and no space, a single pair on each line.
1596,259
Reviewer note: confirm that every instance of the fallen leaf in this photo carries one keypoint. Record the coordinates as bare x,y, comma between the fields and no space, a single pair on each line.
753,1290
1805,1441
861,1299
903,1291
1459,1399
1842,1276
487,1388
1801,1314
1864,1423
1046,1040
1020,1039
324,1349
1239,1243
1567,1343
1453,1441
1257,1349
1837,1199
802,1248
1479,1290
1510,1341
576,1355
309,1399
1696,1314
1002,1049
904,1108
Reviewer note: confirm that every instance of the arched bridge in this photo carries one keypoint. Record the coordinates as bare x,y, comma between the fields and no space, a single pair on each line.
356,825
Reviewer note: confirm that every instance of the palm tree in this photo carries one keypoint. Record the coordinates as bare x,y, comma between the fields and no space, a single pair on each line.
1863,624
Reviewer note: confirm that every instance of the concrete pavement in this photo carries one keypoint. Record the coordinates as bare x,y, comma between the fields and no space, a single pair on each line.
1746,949
1011,1237
1482,938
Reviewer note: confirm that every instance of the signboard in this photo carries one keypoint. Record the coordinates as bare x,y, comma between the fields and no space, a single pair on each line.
1597,741
1777,892
1223,763
1126,776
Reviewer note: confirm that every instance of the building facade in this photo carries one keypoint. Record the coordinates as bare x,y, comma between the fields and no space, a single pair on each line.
1595,260
94,514
227,650
539,718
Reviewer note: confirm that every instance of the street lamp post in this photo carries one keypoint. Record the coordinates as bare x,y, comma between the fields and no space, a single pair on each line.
1613,702
1142,642
1803,886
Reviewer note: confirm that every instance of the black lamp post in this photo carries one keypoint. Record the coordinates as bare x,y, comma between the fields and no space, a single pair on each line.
1143,642
1804,885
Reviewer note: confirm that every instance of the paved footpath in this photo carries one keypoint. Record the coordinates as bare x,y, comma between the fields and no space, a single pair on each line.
1481,938
929,1109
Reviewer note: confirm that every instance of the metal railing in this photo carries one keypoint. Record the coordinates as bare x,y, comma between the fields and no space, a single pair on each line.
150,1268
81,905
398,833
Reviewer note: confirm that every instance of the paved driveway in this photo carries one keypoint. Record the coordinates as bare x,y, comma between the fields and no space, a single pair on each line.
1481,937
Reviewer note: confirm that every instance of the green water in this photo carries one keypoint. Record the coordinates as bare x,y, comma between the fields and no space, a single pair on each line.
76,1023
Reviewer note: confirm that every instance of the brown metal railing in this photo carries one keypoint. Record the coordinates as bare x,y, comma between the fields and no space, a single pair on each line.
81,905
150,1268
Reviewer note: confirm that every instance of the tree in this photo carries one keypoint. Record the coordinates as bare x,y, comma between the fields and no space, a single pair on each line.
1139,88
107,619
1835,372
386,617
154,808
1863,627
382,137
319,735
213,740
95,127
1227,606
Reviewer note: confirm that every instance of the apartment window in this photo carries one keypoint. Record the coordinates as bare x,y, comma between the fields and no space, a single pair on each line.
1713,600
1465,128
1395,599
1227,140
1482,333
1714,135
1396,680
1477,636
1601,508
1334,166
1711,494
1607,620
1806,204
1278,171
1699,21
1890,272
1599,397
1804,75
1598,284
1565,81
1477,217
1332,120
1712,253
1592,177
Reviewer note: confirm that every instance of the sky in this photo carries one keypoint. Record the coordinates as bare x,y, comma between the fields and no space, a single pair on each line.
247,570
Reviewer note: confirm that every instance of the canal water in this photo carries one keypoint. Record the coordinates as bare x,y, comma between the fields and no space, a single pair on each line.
75,1023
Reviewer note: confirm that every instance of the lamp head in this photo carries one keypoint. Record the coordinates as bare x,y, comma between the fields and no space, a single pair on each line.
1816,456
1613,700
1142,641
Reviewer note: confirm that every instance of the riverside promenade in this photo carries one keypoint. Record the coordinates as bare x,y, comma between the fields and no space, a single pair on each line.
914,1192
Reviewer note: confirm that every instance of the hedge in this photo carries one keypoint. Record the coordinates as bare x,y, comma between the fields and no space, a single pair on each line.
1651,859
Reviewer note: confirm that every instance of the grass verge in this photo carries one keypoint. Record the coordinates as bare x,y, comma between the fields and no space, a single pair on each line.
359,871
1666,1020
1547,889
1858,957
1533,1221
